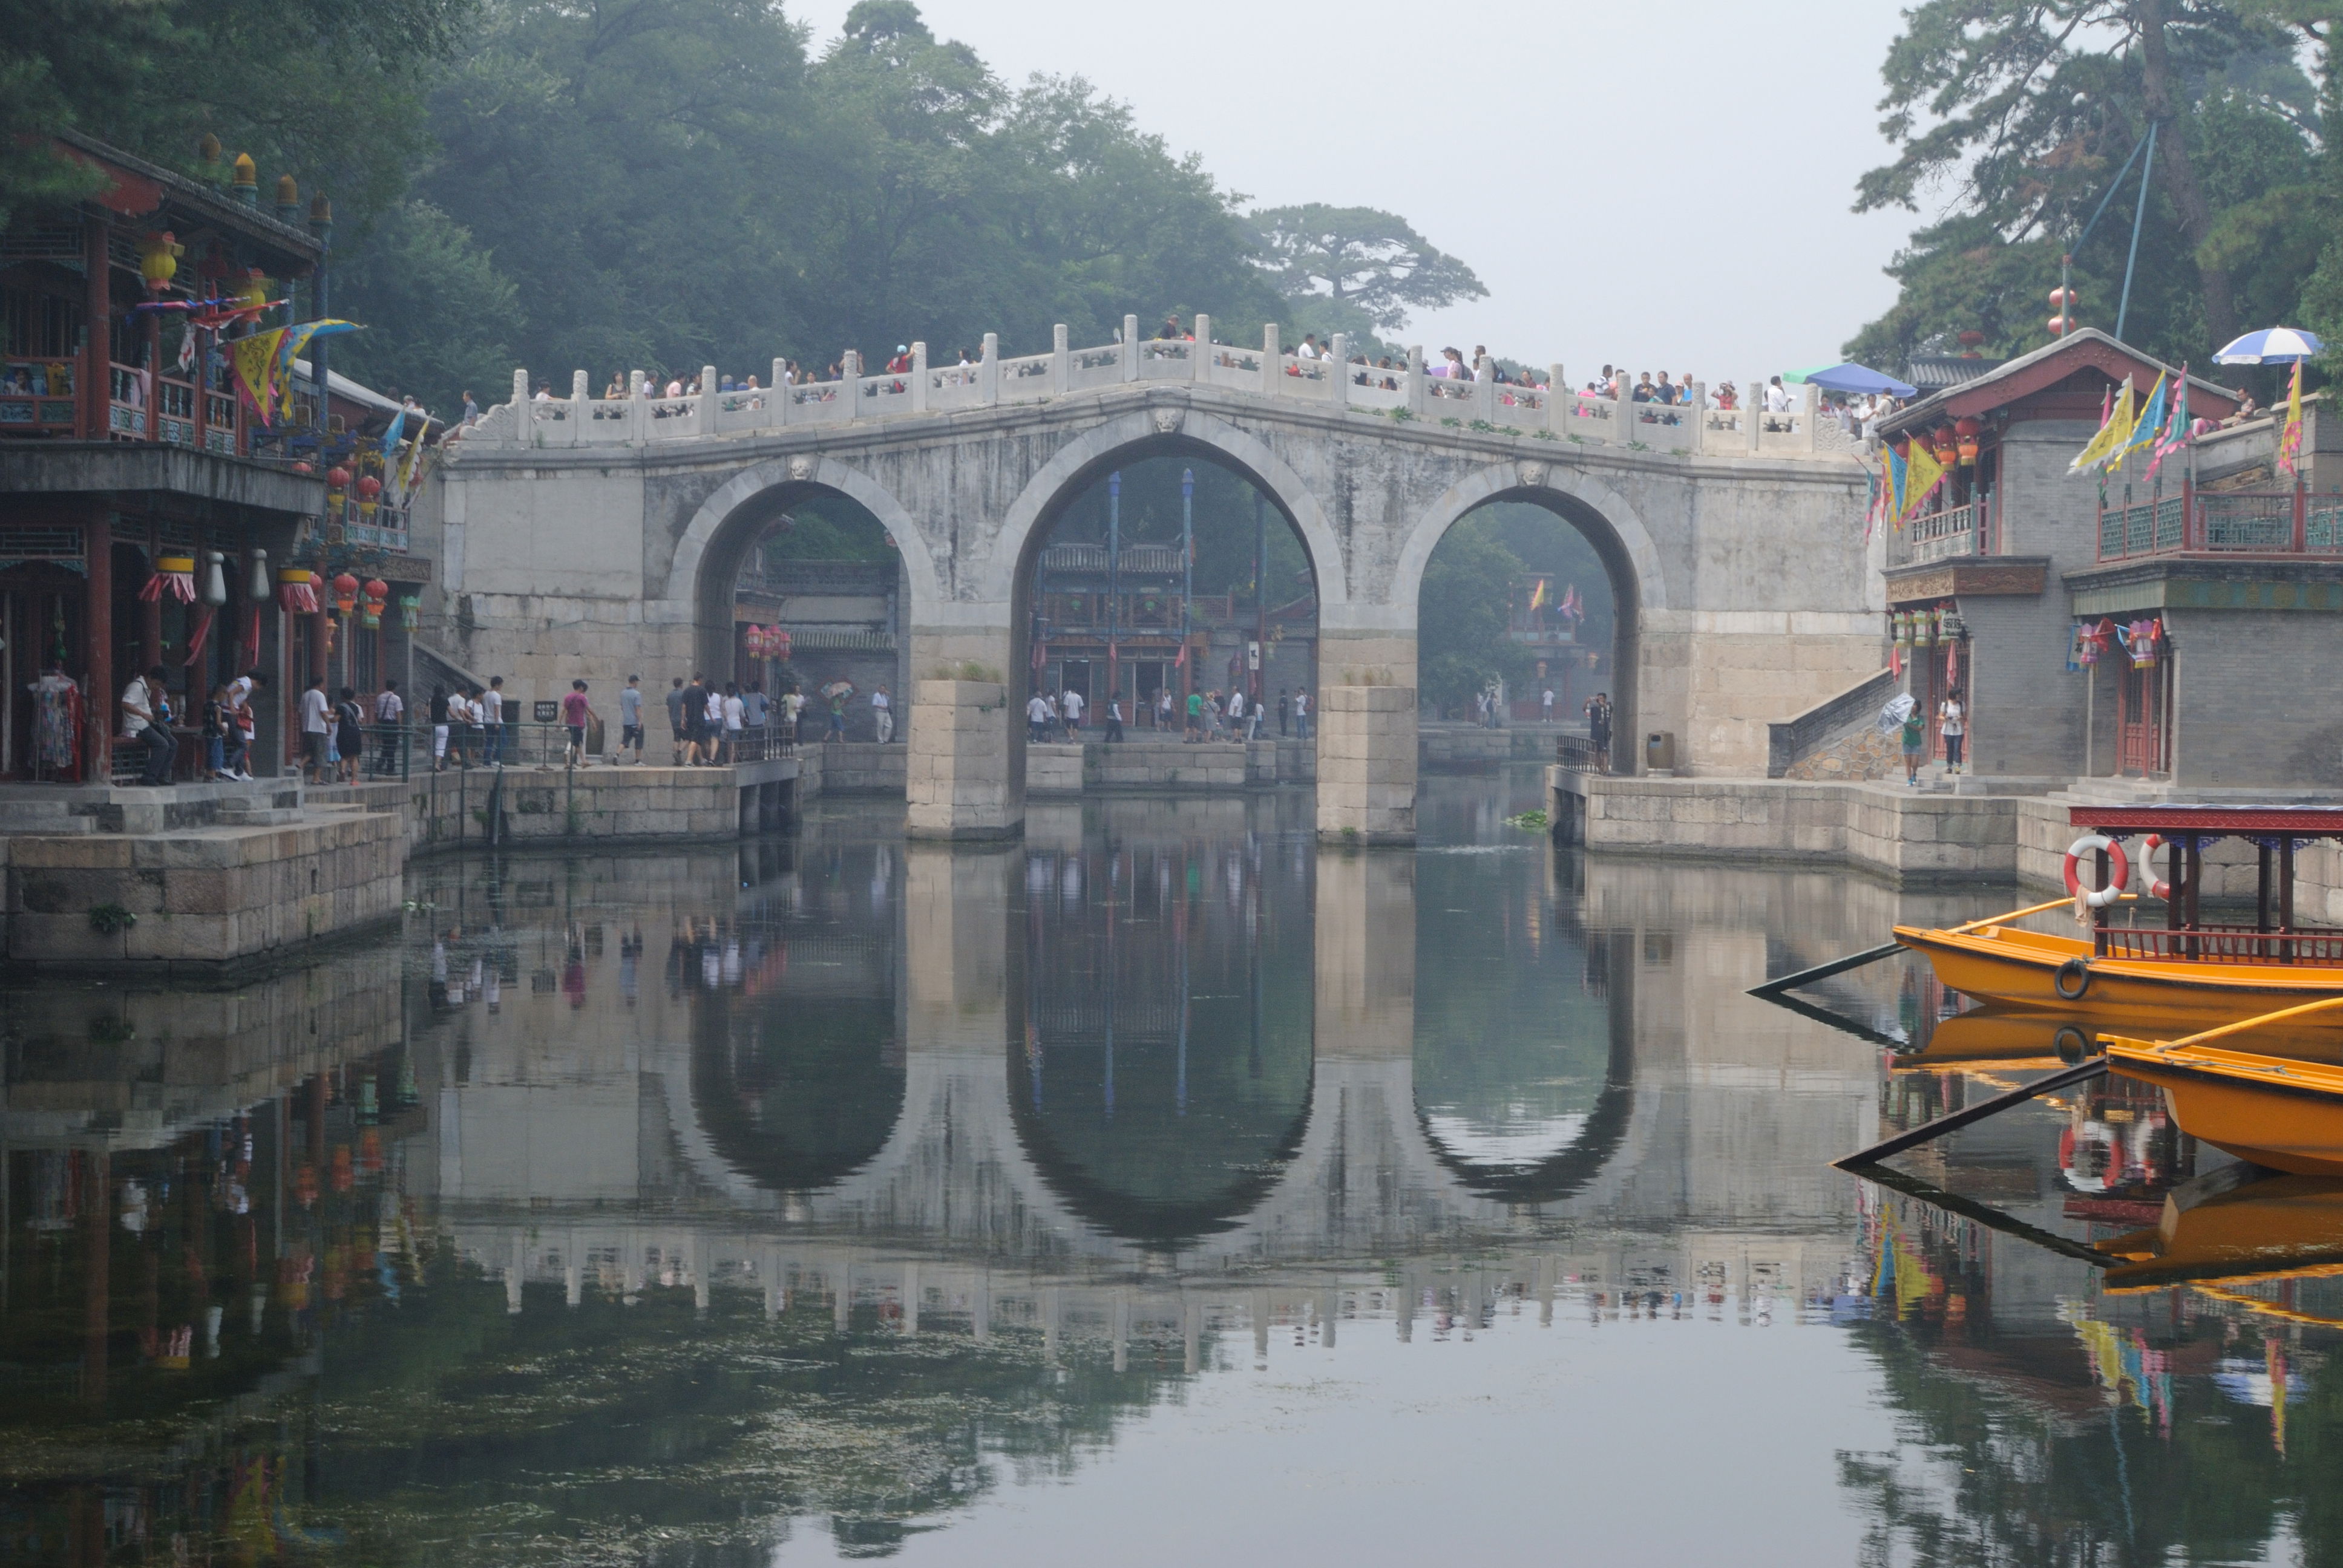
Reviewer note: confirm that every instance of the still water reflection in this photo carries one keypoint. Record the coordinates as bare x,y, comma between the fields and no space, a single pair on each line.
1162,1186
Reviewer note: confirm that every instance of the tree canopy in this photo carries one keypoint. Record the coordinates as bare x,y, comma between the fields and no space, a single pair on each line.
1371,267
2027,112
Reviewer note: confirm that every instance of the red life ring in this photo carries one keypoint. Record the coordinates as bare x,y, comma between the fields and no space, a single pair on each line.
2156,887
2118,869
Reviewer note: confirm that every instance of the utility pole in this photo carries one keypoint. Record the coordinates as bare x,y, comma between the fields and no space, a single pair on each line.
1113,586
1260,597
1187,580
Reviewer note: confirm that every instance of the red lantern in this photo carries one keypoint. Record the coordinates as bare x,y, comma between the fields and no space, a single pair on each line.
1942,442
337,478
370,487
303,468
752,640
378,593
780,644
346,593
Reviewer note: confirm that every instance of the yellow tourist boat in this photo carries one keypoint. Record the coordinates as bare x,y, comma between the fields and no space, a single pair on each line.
2235,1224
2185,967
2282,1111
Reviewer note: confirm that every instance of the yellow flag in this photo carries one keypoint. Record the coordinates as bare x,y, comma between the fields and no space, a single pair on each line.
409,473
2290,444
254,360
1921,472
2112,435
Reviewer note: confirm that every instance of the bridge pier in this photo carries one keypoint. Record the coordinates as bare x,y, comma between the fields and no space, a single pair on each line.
1366,764
964,777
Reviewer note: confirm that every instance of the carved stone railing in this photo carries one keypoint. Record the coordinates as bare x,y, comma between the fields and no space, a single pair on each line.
1404,393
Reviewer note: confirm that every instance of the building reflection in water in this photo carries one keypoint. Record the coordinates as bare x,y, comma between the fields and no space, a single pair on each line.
652,1206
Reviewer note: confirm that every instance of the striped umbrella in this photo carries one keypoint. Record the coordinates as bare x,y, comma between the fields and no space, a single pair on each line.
2271,346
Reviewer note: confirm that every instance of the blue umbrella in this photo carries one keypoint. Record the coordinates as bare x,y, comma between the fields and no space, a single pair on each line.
1853,377
2271,346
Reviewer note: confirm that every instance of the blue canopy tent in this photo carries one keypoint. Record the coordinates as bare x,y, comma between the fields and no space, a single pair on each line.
1853,377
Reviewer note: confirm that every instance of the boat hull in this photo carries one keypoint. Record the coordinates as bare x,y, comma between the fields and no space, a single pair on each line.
2006,964
2278,1111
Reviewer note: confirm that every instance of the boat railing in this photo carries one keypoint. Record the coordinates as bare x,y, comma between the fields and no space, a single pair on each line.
2224,944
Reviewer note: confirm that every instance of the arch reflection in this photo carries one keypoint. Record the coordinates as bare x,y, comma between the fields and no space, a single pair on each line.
796,1058
1524,1046
1164,1076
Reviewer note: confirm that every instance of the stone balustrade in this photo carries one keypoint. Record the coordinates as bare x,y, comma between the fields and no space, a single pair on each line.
1400,392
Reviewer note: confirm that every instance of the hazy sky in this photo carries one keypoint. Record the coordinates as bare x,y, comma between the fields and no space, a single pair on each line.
1665,180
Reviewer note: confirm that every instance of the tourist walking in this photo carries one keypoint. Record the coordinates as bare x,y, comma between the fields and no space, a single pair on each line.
388,709
1163,709
1545,706
1301,714
1236,709
1114,720
1195,731
1037,719
882,715
793,706
1916,744
241,722
754,712
675,727
631,720
736,720
1951,723
215,723
1598,729
313,729
1284,712
692,707
492,722
1071,705
576,714
349,733
712,738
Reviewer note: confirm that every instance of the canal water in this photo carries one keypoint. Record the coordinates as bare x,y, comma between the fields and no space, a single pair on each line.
1165,1189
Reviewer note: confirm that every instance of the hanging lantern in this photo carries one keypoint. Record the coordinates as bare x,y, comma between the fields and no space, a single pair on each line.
1924,628
252,294
1901,623
174,575
337,478
1965,432
215,592
410,610
369,490
378,593
346,593
2145,636
780,644
295,594
158,260
1943,445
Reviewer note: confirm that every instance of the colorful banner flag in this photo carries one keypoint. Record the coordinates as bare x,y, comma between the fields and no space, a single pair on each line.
2148,426
1537,594
390,436
2175,428
1921,474
2113,432
254,360
2290,444
1892,472
413,469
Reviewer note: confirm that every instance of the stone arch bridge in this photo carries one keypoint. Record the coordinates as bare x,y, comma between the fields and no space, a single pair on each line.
594,538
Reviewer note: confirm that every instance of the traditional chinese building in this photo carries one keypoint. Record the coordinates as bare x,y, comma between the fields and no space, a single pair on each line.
151,511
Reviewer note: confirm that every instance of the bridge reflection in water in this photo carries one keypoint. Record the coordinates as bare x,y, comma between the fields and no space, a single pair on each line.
647,1204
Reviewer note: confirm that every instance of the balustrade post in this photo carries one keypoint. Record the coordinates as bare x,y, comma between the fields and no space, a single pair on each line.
639,408
851,367
1200,352
581,417
778,399
1698,398
1484,389
1130,348
988,371
1809,410
1622,414
1272,360
1061,362
1339,354
704,415
1558,401
522,419
1415,380
918,377
1753,412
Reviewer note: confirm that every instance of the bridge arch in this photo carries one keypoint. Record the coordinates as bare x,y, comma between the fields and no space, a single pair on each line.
1606,519
709,553
1166,431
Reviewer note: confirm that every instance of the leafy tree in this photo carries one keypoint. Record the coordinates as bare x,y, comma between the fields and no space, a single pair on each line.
2031,111
437,310
1360,259
1461,609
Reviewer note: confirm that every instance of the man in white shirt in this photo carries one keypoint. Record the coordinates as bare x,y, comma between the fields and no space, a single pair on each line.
1036,716
240,723
1301,715
631,720
793,704
313,731
143,719
882,715
389,708
492,721
1545,704
1073,709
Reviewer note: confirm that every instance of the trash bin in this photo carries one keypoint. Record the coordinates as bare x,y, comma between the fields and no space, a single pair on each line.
1660,752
